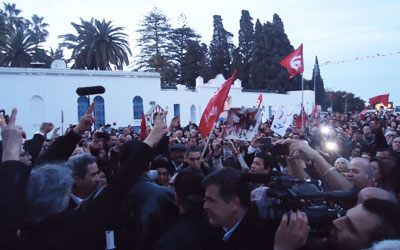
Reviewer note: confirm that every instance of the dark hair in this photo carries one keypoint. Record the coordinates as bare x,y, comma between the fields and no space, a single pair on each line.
126,150
160,161
389,215
269,161
189,191
230,185
78,164
231,161
193,148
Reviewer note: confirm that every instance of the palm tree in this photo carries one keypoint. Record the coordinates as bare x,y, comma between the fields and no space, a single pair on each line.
97,44
38,29
21,50
11,13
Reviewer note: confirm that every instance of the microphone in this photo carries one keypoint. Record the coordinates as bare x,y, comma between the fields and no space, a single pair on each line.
94,90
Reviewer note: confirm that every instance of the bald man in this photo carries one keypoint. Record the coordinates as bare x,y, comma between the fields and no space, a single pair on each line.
374,192
361,173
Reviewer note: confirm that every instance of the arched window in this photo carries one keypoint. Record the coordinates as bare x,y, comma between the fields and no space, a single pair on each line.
37,107
193,114
99,112
83,105
137,107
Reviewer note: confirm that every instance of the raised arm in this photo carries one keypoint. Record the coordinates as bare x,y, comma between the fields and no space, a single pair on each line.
61,149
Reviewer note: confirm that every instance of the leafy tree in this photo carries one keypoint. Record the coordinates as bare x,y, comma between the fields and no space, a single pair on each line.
338,100
38,29
259,66
193,63
180,38
12,18
97,44
278,47
155,45
19,47
220,50
21,50
245,48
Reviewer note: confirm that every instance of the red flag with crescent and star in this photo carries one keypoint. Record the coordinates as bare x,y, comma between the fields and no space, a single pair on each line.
294,62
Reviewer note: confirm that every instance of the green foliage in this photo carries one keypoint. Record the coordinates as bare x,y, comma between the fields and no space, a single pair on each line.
243,57
194,63
155,45
271,45
319,84
20,39
180,38
97,44
220,58
339,102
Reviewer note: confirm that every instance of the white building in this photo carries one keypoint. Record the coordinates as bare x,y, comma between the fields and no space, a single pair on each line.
50,95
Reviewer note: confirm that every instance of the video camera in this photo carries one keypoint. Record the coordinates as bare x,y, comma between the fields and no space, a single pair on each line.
291,194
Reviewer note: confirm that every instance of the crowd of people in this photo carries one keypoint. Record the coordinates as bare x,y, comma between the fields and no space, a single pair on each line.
170,188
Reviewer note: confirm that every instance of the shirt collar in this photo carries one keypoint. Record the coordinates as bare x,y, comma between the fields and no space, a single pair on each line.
228,234
76,199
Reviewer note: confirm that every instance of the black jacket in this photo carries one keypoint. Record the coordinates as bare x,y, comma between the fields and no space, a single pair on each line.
250,234
154,210
14,176
190,232
80,229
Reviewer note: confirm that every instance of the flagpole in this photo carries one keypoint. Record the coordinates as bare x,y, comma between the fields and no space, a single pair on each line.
302,99
345,105
208,140
332,102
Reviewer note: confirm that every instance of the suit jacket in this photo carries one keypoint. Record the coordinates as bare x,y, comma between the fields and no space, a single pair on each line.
154,208
250,234
191,231
61,149
14,176
85,227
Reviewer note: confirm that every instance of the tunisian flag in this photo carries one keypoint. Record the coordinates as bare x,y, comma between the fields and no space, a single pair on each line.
259,101
380,99
294,62
143,128
215,107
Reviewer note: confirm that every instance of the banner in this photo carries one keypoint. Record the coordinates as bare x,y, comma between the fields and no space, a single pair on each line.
215,107
282,119
242,123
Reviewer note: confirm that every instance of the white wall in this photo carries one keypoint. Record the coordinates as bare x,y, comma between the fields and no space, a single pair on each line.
41,95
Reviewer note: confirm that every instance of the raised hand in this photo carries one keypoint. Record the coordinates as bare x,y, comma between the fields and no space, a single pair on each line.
158,131
175,123
86,121
12,137
55,133
46,127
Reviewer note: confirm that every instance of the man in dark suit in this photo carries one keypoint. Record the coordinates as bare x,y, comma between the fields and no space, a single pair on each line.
228,206
86,177
153,206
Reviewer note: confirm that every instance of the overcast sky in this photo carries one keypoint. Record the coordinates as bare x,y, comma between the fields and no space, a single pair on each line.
332,30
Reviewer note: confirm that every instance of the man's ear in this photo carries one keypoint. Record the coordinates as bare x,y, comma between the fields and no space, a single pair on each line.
77,181
235,203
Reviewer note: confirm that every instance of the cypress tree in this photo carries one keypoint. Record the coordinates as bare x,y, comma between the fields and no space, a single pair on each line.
246,43
220,50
